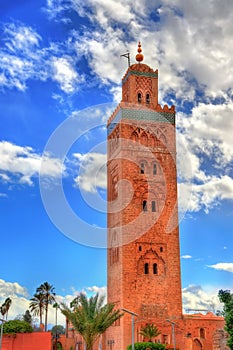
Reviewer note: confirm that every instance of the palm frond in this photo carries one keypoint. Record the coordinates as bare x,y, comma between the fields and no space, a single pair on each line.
90,317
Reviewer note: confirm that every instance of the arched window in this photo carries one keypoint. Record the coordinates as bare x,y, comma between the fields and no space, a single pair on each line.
140,248
146,268
144,205
155,269
142,168
147,98
161,249
154,169
202,333
153,206
139,97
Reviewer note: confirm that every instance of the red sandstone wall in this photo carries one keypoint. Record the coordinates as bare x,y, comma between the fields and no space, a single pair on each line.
137,238
68,342
27,341
151,296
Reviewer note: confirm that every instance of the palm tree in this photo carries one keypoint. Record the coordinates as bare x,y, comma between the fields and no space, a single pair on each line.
149,331
90,318
37,305
47,290
5,307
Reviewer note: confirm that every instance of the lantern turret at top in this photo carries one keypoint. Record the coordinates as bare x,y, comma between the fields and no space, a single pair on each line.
140,83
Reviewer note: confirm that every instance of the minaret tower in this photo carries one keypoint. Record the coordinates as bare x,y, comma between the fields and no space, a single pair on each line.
143,233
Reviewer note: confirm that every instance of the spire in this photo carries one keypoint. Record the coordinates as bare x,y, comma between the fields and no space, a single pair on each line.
139,57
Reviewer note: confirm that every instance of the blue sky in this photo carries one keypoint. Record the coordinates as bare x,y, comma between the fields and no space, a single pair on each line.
60,78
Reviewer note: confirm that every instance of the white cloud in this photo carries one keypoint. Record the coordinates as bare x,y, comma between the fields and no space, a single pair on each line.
54,8
93,171
223,267
205,143
21,38
20,164
103,54
19,56
186,256
185,43
205,195
7,289
21,299
192,53
102,291
207,130
65,74
195,299
24,57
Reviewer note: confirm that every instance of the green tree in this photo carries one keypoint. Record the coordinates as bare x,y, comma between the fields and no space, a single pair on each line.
91,317
47,290
17,326
37,305
27,317
57,330
149,331
226,297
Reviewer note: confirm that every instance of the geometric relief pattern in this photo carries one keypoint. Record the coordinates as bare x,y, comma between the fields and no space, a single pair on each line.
148,137
143,83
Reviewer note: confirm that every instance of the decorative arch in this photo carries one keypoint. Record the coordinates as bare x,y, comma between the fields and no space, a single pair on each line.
150,263
197,345
160,136
134,136
151,141
144,139
163,139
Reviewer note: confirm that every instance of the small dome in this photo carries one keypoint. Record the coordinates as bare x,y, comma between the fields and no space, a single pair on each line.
141,68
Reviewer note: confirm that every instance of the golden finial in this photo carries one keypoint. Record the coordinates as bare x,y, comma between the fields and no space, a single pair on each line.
139,56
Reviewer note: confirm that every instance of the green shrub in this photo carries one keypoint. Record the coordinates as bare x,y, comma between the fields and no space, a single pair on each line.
59,346
17,326
147,345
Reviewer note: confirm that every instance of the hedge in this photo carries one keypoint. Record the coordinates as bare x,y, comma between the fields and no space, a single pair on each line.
147,345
